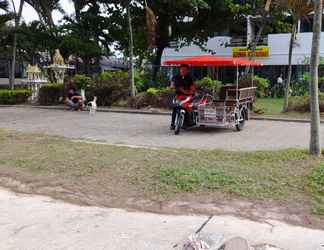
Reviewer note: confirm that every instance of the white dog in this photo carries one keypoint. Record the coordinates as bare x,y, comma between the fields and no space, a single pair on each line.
92,106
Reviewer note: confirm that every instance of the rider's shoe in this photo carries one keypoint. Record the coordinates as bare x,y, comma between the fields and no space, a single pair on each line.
172,127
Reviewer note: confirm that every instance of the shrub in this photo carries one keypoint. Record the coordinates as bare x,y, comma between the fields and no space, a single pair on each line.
321,84
143,100
51,94
153,97
115,74
306,80
110,88
141,81
153,91
261,83
11,97
302,103
299,88
82,81
209,86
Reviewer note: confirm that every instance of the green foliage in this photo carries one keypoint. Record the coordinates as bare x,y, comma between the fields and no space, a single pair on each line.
305,84
51,94
268,106
208,85
216,172
11,97
166,91
153,97
110,88
142,81
153,91
82,81
261,83
273,22
6,16
302,103
316,187
191,179
108,75
29,46
160,92
316,181
299,88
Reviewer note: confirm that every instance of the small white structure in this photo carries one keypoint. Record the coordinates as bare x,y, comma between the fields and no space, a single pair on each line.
34,80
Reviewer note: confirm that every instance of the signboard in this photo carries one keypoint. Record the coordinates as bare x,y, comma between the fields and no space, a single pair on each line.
246,52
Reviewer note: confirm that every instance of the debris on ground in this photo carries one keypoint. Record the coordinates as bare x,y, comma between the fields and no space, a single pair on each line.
217,242
204,242
236,243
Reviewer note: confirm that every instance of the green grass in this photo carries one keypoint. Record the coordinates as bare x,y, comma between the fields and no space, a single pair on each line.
286,175
316,185
270,106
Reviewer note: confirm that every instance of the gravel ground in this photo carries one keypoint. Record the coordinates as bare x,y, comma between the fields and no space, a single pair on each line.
49,224
153,130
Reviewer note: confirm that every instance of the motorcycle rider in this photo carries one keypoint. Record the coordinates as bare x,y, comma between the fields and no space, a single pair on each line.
184,87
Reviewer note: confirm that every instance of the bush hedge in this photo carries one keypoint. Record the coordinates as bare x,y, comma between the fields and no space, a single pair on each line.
261,83
153,97
10,97
111,87
51,94
302,103
208,86
82,81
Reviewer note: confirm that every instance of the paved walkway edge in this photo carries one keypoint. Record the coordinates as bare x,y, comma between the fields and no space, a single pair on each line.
155,112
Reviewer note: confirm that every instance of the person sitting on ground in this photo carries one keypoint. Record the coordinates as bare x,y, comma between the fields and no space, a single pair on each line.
74,99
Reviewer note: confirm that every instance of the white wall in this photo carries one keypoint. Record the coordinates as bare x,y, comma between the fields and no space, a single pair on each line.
278,43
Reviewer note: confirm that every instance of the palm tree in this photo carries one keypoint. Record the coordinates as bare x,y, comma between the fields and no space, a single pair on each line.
297,9
7,16
44,9
315,146
308,6
78,6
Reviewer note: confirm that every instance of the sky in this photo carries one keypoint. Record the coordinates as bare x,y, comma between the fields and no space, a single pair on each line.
29,13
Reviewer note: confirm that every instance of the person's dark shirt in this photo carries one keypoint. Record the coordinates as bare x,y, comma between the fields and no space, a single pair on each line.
72,94
185,82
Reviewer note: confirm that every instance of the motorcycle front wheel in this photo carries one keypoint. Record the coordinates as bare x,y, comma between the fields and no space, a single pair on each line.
179,122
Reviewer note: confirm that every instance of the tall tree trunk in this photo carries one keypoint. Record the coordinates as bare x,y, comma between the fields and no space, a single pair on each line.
14,46
288,82
157,63
131,54
315,144
254,45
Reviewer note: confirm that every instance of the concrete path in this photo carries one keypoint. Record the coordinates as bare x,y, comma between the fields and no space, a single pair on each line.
153,131
36,222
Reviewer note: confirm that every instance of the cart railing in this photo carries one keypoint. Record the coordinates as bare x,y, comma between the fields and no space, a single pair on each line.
241,94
